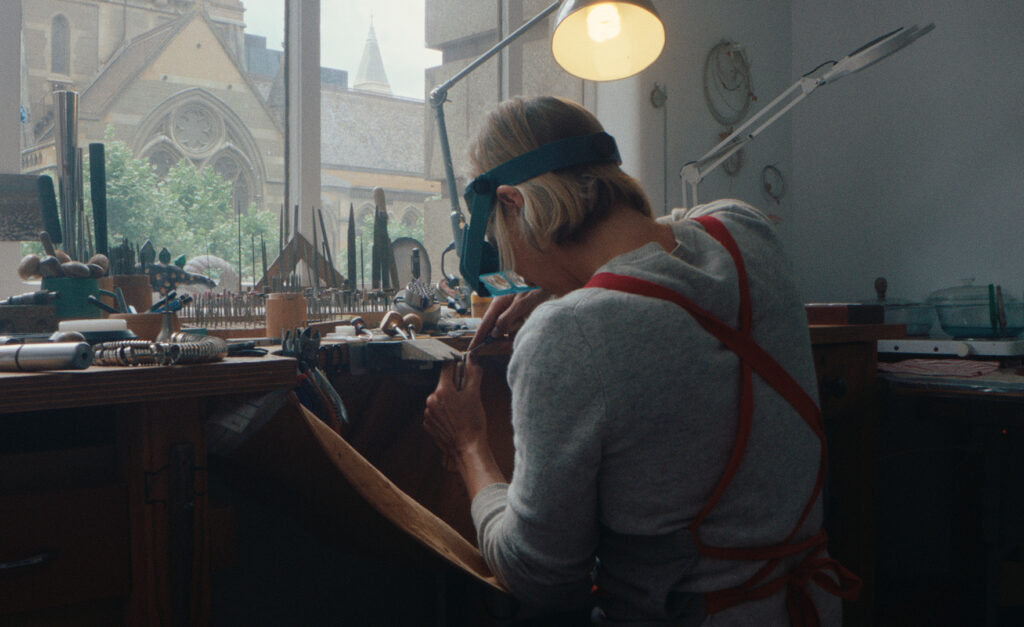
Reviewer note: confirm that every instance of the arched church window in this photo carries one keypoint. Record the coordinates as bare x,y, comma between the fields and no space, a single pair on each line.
411,218
60,45
163,159
235,173
196,128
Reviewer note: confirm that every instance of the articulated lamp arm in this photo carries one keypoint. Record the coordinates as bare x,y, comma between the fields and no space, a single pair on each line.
439,95
695,171
869,54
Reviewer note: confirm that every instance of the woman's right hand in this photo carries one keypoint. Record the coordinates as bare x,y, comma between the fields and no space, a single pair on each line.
506,314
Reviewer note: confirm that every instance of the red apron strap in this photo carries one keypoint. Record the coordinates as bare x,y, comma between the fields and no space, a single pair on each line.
754,358
717,230
741,344
746,403
769,370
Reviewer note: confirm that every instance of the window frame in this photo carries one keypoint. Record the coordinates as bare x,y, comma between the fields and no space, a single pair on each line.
302,108
65,56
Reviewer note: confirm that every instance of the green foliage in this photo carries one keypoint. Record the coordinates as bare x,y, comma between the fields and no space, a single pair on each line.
189,212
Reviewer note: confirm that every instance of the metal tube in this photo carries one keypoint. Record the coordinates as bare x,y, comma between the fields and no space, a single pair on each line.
46,356
66,146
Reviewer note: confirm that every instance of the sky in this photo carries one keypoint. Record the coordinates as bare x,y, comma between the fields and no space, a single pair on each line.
344,25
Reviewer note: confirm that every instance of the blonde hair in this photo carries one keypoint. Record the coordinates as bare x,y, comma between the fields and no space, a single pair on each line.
562,205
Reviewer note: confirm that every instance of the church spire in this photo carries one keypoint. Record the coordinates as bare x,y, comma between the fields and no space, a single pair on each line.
371,76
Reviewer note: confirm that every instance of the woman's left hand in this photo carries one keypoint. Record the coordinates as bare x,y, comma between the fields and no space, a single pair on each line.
455,416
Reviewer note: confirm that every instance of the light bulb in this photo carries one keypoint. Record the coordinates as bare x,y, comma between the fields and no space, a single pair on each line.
603,22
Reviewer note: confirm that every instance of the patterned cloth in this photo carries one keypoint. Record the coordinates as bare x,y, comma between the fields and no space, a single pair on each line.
941,367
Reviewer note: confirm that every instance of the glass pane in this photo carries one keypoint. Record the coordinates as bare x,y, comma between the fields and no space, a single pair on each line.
188,100
374,122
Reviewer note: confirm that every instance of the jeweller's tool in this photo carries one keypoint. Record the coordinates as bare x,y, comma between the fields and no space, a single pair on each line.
102,305
413,324
46,356
392,325
460,365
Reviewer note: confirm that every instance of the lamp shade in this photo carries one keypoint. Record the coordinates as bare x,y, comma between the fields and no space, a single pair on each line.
605,40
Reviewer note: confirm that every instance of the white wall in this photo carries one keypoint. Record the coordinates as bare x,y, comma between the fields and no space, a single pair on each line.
693,28
914,168
10,144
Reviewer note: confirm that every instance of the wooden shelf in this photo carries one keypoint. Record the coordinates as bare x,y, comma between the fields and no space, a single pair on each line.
848,333
53,389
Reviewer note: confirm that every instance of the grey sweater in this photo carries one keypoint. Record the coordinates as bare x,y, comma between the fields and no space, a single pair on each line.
624,412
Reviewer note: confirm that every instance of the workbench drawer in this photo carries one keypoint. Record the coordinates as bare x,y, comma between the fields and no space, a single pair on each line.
846,375
61,548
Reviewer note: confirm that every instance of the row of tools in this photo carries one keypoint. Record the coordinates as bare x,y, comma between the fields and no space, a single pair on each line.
64,350
228,310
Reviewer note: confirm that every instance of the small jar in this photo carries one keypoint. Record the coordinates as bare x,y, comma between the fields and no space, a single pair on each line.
479,304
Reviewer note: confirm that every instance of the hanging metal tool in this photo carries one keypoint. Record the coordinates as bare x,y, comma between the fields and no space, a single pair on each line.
304,346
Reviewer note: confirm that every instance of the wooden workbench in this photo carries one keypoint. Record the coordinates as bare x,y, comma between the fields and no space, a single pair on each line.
845,361
951,493
113,461
103,490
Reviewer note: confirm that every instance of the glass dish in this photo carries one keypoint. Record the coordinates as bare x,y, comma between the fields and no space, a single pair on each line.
974,311
918,317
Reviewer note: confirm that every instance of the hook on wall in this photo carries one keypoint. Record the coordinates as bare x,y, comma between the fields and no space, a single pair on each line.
659,96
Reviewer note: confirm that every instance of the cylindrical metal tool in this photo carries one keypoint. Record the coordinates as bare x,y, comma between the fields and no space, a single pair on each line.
46,356
66,144
41,297
48,202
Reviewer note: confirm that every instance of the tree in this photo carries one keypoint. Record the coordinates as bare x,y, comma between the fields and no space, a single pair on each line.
189,211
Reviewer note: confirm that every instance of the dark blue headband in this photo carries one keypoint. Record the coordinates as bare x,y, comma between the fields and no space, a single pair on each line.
478,256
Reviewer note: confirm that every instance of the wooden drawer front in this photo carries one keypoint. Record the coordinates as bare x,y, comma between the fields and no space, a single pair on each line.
846,373
63,547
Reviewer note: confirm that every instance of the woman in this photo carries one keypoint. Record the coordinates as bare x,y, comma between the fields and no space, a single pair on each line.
652,463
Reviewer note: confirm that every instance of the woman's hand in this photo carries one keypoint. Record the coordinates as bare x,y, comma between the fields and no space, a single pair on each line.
455,417
506,314
456,421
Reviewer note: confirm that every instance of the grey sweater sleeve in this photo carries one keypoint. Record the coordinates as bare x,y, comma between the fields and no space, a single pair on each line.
540,538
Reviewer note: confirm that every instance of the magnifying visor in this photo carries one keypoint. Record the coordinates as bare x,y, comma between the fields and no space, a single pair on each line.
479,261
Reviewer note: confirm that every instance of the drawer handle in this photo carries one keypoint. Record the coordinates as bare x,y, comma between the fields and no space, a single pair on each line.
28,562
833,386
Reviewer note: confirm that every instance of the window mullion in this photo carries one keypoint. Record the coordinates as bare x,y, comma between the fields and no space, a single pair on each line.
303,41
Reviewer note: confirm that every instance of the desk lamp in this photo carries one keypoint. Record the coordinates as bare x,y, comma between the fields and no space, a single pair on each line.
869,54
600,40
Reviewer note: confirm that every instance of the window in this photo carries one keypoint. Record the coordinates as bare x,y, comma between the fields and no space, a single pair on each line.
189,103
181,91
373,116
60,45
412,217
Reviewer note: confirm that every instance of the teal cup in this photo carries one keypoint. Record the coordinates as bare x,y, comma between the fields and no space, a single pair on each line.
73,297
